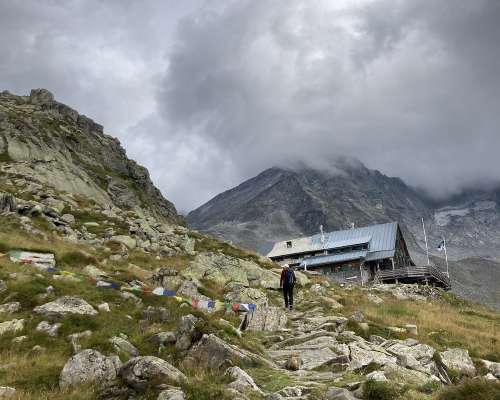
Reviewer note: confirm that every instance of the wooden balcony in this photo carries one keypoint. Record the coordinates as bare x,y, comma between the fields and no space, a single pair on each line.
424,274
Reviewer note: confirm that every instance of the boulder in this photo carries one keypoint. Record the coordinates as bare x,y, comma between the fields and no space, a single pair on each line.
167,278
74,340
213,353
267,319
242,381
68,219
374,298
12,326
335,393
185,332
141,372
41,97
104,307
10,308
361,357
171,394
189,289
127,241
493,367
458,359
240,294
7,392
163,338
89,367
412,329
405,376
122,345
47,328
65,305
357,317
378,376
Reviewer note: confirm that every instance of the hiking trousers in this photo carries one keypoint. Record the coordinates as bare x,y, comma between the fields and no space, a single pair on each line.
288,295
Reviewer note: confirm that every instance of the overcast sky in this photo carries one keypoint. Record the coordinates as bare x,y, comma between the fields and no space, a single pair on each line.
209,93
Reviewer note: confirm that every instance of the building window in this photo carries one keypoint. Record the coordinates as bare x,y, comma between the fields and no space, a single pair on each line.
289,244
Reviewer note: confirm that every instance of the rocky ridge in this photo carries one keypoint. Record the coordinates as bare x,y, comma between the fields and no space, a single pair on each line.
46,144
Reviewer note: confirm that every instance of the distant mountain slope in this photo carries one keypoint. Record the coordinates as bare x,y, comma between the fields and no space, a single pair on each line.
281,203
46,142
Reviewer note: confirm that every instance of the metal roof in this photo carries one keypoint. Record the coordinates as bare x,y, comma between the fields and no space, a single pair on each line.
333,258
382,237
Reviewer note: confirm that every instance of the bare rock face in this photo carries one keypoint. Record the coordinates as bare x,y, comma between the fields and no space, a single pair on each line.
50,143
89,367
186,331
267,319
242,381
140,372
65,305
171,394
458,359
12,326
214,353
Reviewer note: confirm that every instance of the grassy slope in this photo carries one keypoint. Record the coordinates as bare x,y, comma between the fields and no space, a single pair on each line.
457,323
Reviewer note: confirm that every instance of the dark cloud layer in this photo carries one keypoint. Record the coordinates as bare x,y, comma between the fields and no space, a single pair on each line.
209,94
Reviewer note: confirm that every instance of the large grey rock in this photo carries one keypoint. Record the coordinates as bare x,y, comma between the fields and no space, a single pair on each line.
185,332
493,367
163,338
335,393
12,326
122,345
7,392
458,359
141,372
361,357
65,305
242,381
213,353
171,394
89,367
41,97
189,289
241,294
267,319
405,376
49,329
10,308
127,241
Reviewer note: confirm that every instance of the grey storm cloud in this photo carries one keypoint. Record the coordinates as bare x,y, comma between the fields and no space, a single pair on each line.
210,93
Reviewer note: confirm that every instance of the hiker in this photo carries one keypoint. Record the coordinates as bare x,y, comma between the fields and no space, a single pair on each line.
287,282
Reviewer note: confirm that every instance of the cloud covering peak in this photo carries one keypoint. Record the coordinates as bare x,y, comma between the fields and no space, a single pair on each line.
226,90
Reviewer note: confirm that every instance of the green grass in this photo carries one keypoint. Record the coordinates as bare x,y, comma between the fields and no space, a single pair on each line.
476,389
374,390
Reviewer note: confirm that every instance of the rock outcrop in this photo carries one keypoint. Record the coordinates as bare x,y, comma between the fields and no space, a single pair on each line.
49,143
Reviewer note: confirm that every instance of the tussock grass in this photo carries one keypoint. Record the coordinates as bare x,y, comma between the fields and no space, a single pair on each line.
476,389
440,324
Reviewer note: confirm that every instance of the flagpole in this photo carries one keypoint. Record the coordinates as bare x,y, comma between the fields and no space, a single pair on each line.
426,246
446,258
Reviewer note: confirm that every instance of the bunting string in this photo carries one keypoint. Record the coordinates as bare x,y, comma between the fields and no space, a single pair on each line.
46,263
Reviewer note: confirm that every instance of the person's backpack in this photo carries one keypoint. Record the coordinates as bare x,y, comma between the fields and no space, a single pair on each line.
289,277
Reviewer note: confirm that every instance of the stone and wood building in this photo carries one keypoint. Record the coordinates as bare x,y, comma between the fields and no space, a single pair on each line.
376,253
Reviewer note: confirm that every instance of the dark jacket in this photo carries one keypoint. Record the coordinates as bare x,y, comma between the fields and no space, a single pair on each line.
282,280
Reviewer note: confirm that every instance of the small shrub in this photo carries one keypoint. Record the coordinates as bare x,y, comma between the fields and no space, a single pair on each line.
429,387
77,259
374,390
476,389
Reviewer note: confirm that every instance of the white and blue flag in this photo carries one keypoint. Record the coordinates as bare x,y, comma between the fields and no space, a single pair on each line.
441,246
